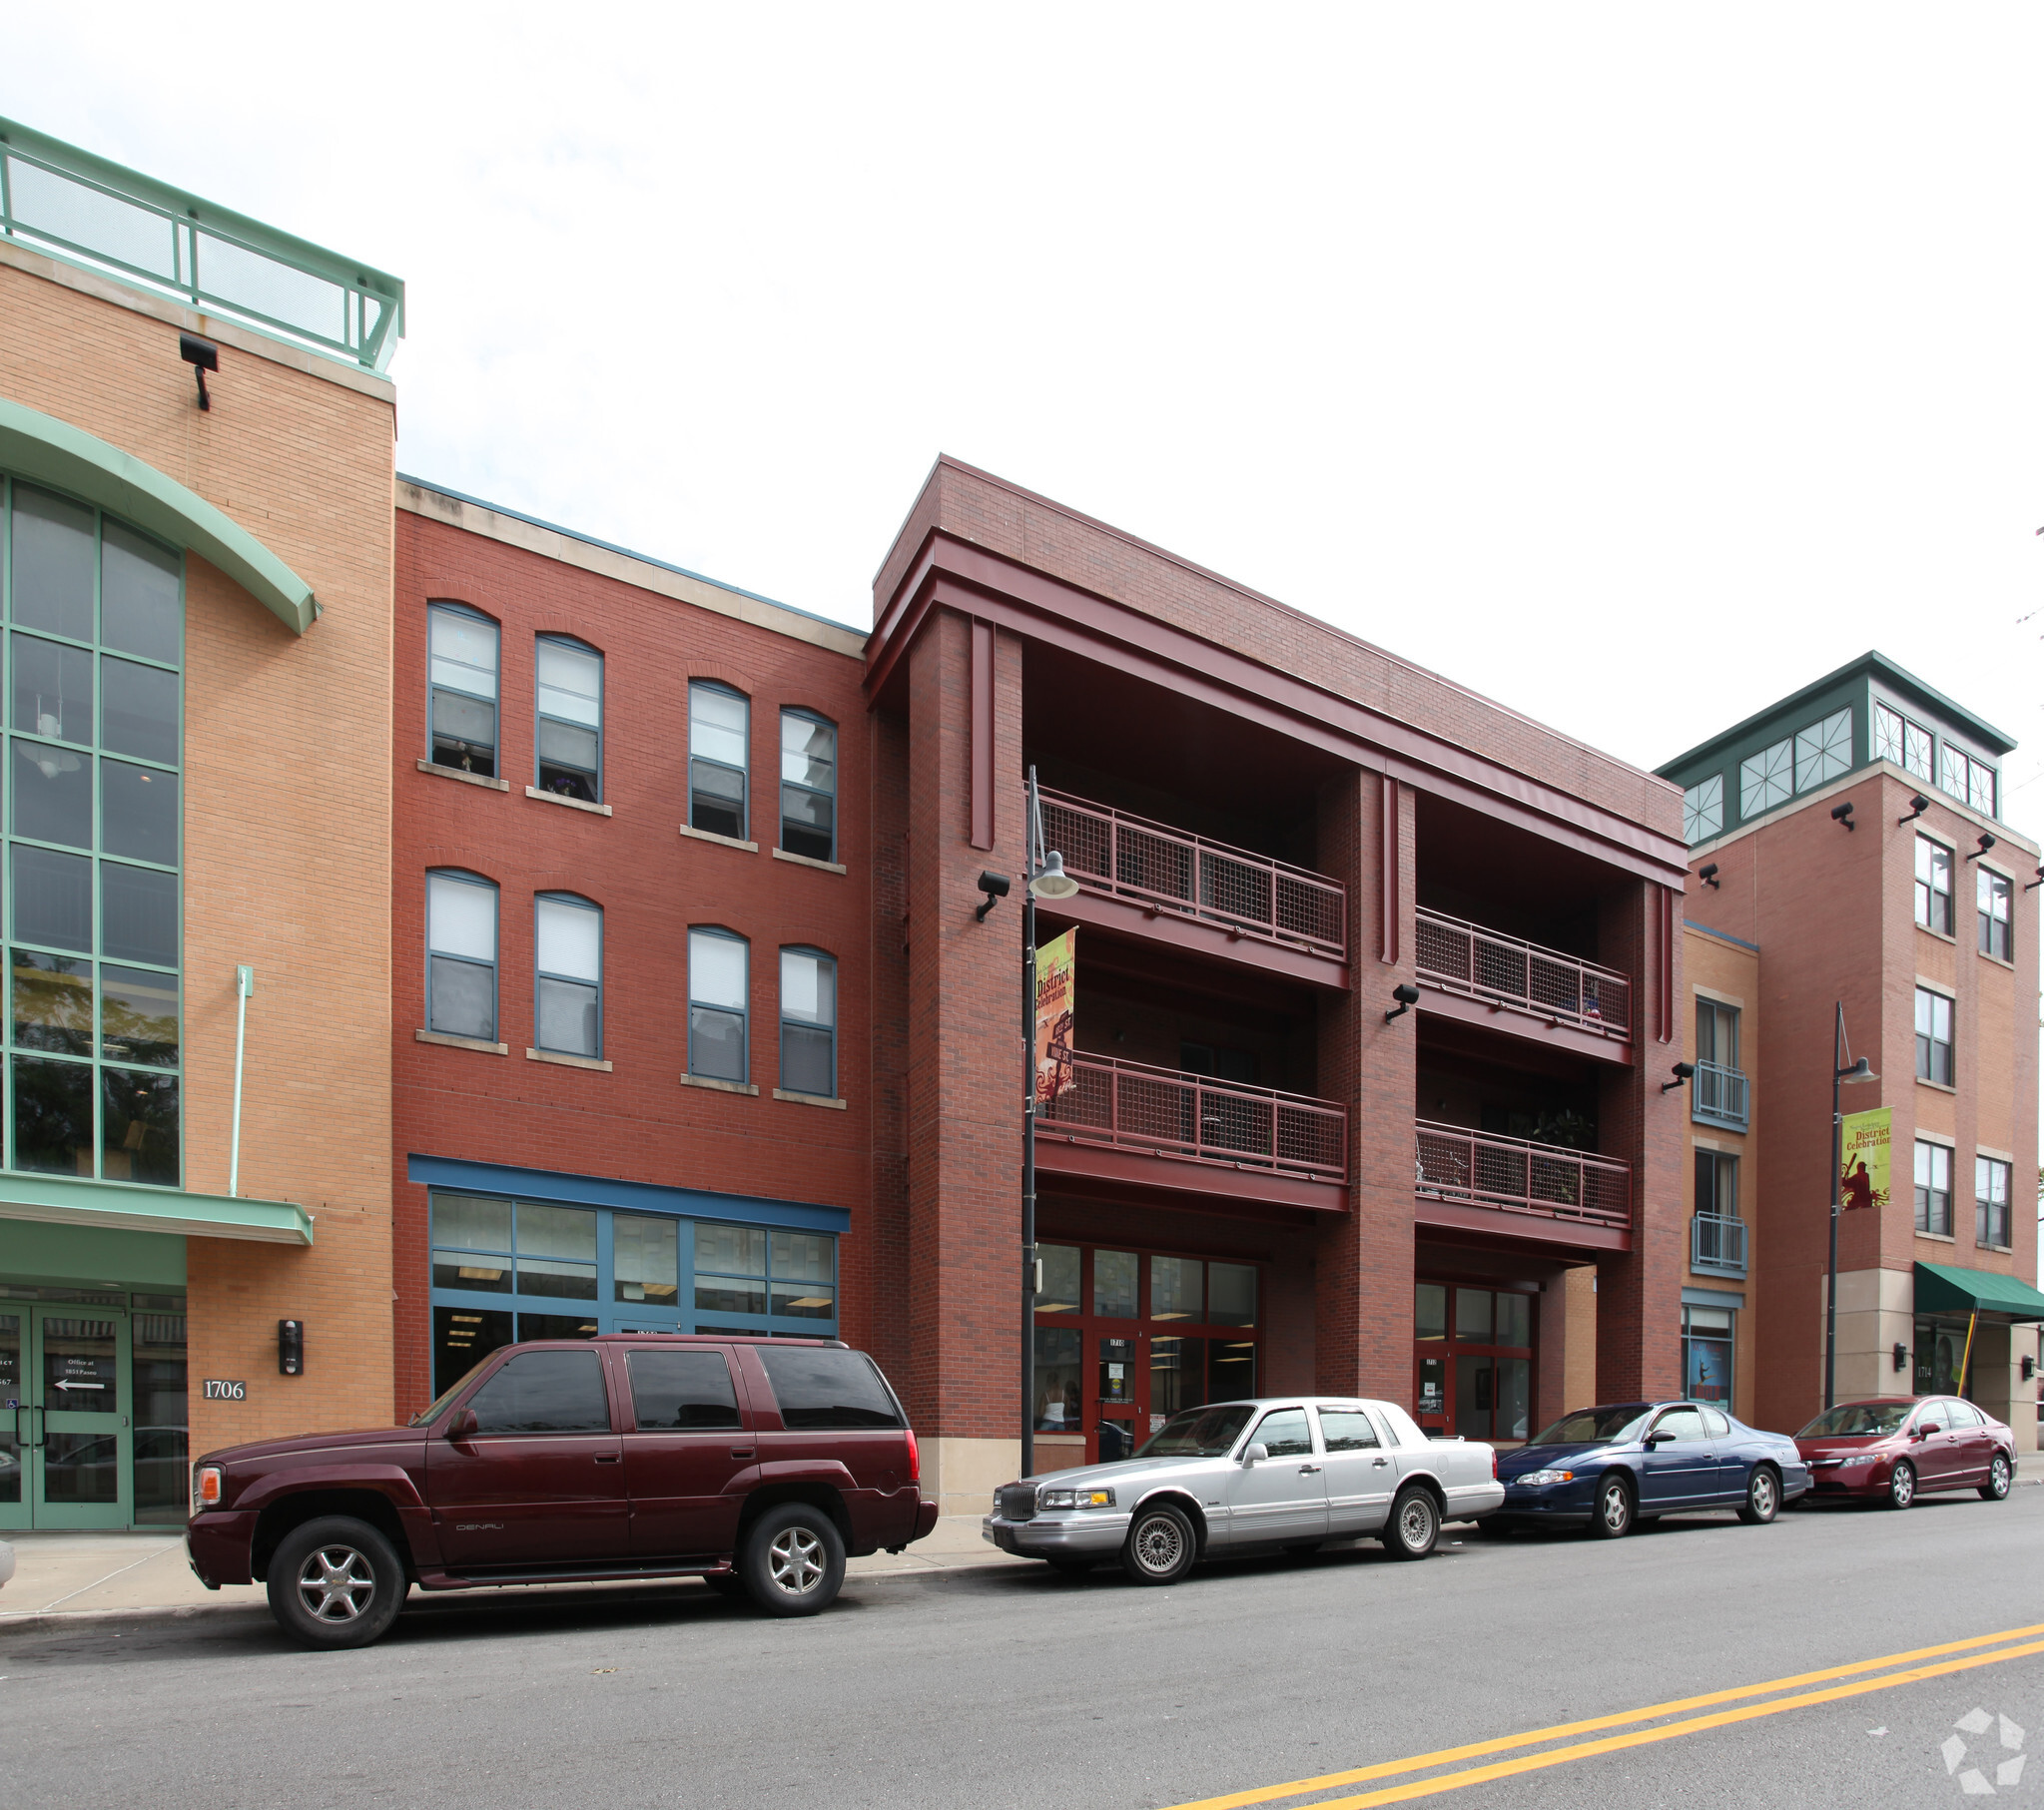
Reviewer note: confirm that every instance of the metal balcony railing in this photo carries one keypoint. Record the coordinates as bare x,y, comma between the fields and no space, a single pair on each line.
57,198
1133,1107
1719,1095
1111,851
1717,1242
1467,958
1456,1164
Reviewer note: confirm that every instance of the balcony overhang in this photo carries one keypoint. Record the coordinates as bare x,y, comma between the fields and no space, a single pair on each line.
1516,1021
1153,1175
1199,936
132,1207
1518,1225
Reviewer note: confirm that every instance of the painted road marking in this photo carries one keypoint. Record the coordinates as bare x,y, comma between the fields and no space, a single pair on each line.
1266,1794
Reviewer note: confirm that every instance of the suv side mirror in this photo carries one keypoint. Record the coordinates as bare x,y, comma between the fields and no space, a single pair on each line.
462,1425
1255,1455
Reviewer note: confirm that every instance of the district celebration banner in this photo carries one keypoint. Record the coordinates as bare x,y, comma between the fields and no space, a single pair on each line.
1055,979
1863,1163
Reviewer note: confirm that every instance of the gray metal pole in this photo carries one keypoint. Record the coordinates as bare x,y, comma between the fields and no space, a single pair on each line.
1832,1269
1029,1188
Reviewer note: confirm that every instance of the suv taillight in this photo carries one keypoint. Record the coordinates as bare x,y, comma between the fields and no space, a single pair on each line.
915,1460
205,1488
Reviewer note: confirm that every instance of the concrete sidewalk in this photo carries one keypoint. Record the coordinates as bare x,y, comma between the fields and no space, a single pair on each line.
58,1574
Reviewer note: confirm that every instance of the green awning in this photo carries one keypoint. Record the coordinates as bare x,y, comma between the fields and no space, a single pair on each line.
1947,1289
134,1207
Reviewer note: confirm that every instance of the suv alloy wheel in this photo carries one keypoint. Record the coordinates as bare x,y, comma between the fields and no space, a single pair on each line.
794,1560
336,1582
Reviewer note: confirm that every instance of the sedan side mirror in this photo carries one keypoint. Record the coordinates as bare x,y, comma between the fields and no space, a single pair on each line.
1927,1429
1658,1438
462,1425
1255,1455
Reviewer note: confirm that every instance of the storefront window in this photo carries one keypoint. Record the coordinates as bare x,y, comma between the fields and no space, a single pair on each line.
1473,1360
1707,1353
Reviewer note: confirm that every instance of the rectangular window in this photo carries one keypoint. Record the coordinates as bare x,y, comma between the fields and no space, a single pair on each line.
568,736
717,1005
809,1023
1704,809
462,656
809,786
718,728
1933,1188
1823,751
568,984
461,955
1994,896
1717,1033
1718,1184
1766,779
1970,781
1990,1203
1707,1353
1933,886
1897,739
1933,1037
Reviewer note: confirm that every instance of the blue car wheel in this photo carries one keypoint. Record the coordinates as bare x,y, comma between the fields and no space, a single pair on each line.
1611,1517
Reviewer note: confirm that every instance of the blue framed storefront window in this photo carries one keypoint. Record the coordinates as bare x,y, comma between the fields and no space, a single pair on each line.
525,1254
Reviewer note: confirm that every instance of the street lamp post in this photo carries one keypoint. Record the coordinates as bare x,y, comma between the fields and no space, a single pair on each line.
1853,1072
1043,877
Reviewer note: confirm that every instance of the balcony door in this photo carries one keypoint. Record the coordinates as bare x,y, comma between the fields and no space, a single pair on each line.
1473,1360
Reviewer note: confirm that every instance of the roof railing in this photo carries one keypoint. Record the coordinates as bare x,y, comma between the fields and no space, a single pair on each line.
89,211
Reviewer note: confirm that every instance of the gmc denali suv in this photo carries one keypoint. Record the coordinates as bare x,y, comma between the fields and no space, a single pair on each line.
757,1464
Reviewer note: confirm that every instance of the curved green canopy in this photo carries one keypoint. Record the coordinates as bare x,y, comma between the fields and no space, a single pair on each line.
44,450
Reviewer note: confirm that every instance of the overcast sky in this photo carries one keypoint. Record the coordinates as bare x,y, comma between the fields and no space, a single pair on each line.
1631,366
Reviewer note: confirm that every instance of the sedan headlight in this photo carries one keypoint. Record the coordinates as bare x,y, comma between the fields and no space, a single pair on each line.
206,1485
1538,1478
1074,1499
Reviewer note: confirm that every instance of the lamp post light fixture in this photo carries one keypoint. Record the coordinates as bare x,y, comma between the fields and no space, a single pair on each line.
1841,1074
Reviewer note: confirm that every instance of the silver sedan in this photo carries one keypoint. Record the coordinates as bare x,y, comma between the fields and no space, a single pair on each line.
1291,1471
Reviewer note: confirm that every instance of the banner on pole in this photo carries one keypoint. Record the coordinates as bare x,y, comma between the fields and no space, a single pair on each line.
1864,1146
1055,979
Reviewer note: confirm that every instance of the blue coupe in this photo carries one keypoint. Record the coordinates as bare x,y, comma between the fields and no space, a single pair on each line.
1607,1469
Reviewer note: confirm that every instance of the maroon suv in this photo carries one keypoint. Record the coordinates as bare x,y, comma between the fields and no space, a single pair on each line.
757,1464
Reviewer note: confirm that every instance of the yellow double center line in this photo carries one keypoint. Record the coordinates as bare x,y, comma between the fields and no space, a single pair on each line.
1925,1662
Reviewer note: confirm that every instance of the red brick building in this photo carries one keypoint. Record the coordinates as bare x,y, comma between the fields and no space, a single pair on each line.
770,1077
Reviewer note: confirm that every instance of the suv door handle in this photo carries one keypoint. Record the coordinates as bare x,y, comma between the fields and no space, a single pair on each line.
741,1452
607,1457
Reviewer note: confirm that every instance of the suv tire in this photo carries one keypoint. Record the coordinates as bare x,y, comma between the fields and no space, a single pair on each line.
336,1582
794,1560
1160,1546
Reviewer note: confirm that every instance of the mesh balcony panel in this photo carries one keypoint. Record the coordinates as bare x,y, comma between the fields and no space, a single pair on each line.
1443,950
1155,864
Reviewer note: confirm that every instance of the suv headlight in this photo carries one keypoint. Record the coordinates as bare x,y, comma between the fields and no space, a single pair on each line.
205,1488
1538,1478
1074,1499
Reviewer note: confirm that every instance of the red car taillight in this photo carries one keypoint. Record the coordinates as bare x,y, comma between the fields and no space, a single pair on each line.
915,1460
1494,1464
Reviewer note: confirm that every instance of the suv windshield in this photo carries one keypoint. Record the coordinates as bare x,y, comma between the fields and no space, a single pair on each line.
1594,1424
1198,1433
424,1416
1875,1420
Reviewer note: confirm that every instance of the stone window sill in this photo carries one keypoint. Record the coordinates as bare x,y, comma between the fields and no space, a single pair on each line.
466,778
447,1041
1942,936
728,842
703,1081
566,1061
1940,1237
573,803
809,1099
810,861
2001,1250
1940,1086
1998,960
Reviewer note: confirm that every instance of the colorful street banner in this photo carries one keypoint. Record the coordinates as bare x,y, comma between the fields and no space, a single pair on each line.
1055,986
1863,1164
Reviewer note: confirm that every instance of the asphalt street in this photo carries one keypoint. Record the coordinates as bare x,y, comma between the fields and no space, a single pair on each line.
1014,1688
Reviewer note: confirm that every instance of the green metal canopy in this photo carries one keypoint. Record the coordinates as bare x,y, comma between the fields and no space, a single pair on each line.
43,448
136,1207
1945,1288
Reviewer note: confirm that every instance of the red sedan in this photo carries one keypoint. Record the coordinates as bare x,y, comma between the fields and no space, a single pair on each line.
1894,1447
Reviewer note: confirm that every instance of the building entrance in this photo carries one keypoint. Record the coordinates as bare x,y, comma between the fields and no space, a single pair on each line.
66,1420
1474,1361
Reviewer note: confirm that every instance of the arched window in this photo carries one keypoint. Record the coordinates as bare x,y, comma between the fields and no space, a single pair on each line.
809,1022
569,739
808,785
461,645
717,984
718,728
461,955
568,977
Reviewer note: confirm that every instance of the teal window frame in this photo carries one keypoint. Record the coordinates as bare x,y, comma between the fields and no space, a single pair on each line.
446,606
742,1010
828,794
800,1024
705,764
99,757
541,717
496,1003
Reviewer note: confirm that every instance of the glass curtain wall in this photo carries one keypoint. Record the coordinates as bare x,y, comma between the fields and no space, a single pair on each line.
94,614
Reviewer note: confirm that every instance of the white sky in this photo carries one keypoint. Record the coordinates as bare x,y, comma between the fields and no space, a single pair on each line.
1630,366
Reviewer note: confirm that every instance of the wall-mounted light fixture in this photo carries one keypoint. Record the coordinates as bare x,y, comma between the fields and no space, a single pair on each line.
995,885
2035,884
1917,807
1708,874
2029,1367
1986,841
202,356
1900,1357
1842,814
1406,997
1682,1072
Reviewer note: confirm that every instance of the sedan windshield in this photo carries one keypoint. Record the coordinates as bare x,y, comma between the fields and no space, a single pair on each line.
1870,1419
1594,1425
1198,1433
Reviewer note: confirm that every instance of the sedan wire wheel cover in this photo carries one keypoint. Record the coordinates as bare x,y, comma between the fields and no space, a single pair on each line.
1158,1543
336,1583
1416,1522
795,1560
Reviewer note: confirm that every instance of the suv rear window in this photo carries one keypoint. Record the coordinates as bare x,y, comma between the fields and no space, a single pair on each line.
827,1389
544,1391
681,1389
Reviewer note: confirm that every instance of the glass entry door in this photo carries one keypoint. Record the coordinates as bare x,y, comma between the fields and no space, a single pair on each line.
65,1418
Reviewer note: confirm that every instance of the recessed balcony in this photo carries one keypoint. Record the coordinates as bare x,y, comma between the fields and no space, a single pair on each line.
1513,1187
1127,1124
1488,976
1198,894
